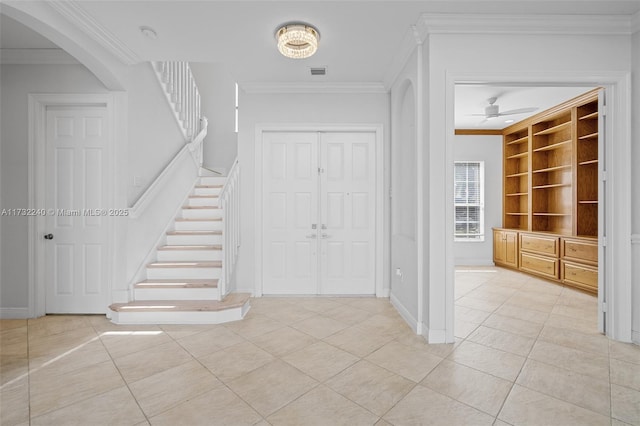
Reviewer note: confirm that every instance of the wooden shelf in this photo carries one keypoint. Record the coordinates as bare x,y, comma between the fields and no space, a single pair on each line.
518,141
520,155
518,174
589,116
553,169
552,214
588,202
553,129
516,194
553,185
586,163
552,146
589,136
517,214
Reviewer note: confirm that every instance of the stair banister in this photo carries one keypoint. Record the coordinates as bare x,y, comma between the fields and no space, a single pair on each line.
229,202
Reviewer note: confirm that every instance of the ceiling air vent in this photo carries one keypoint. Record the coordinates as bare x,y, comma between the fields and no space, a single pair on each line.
318,70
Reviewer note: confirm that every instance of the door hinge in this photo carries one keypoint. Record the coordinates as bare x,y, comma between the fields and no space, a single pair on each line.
604,175
604,306
604,241
604,110
320,170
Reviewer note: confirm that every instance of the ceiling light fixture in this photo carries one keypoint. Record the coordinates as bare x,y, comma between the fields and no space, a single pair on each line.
297,40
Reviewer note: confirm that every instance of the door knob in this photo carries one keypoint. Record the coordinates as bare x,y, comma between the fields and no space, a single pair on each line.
48,237
312,236
325,236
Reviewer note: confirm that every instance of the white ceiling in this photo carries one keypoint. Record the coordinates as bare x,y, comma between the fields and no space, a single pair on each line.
358,39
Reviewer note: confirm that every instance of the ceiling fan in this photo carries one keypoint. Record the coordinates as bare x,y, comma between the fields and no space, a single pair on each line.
492,110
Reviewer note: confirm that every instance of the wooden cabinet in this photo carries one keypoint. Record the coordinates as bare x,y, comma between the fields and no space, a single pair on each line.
550,194
505,248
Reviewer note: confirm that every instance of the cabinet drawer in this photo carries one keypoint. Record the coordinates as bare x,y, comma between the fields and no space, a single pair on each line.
539,244
581,251
541,265
581,276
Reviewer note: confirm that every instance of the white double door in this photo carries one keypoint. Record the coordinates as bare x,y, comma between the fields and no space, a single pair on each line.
76,227
319,213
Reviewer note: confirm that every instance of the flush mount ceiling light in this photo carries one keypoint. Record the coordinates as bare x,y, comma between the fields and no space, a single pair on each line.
297,40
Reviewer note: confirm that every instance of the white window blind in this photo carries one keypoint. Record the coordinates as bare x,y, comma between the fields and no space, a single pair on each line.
469,200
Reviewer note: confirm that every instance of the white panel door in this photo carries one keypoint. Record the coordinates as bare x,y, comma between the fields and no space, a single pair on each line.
347,202
318,214
76,231
290,210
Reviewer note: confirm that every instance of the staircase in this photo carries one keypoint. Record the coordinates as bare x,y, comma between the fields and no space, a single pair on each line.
187,283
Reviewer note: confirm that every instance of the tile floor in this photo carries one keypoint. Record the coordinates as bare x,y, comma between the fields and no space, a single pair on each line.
526,353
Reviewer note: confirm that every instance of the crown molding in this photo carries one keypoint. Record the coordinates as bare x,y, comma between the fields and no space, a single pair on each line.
412,38
449,23
36,57
72,11
272,88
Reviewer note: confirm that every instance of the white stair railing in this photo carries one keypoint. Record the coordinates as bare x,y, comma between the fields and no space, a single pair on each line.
229,202
183,95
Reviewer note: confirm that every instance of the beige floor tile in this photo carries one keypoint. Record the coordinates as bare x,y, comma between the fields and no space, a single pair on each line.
14,402
283,341
410,338
411,362
385,324
48,392
625,404
11,368
540,285
597,344
169,388
350,316
370,386
148,362
423,406
463,313
512,325
319,326
472,387
586,325
14,342
321,360
56,324
375,305
479,304
462,329
179,331
593,365
383,422
286,383
616,422
124,342
322,406
576,312
523,300
625,351
486,294
502,340
235,361
210,341
577,389
492,361
625,374
61,343
217,407
254,326
8,324
116,407
358,340
289,313
530,408
79,356
521,313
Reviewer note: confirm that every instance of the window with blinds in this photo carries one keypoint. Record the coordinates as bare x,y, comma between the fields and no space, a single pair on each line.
469,200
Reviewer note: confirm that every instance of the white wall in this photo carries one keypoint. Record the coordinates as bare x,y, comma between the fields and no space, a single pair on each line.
217,91
635,151
16,82
571,56
489,150
154,135
304,108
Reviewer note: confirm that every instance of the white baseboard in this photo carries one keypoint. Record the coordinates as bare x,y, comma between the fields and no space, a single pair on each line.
404,313
635,337
434,336
14,313
386,292
473,262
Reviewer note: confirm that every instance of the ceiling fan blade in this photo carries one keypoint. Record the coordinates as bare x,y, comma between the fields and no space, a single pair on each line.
518,111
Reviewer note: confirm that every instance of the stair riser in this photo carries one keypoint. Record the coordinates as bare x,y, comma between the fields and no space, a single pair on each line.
188,255
212,180
206,191
201,213
214,225
177,294
193,240
188,317
183,273
209,201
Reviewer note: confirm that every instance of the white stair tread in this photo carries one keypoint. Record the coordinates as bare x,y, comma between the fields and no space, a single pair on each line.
200,207
186,219
202,247
182,264
191,283
209,186
204,196
232,301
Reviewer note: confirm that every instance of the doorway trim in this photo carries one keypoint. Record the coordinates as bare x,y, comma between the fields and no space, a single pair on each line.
379,190
37,110
617,209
